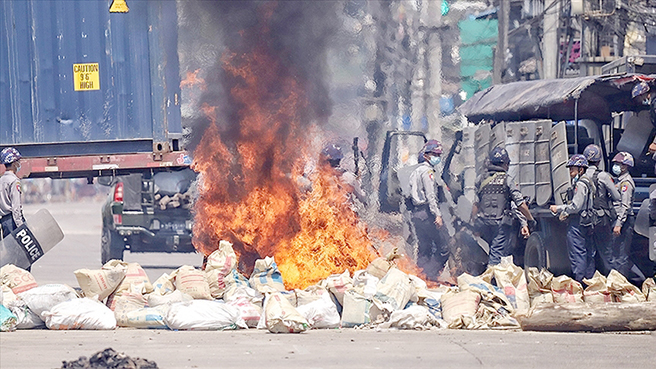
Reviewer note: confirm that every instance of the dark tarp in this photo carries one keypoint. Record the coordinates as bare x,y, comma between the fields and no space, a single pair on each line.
553,99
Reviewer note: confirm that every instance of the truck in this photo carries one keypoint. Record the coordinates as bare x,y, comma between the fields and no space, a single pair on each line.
89,93
541,123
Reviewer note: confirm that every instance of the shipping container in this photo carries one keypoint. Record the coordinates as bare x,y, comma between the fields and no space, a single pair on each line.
84,91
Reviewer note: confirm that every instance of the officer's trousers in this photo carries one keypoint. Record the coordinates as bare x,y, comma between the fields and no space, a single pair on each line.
602,237
622,247
433,251
8,225
501,243
581,250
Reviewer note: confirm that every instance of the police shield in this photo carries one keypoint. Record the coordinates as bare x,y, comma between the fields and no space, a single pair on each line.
469,162
652,243
559,171
542,162
482,146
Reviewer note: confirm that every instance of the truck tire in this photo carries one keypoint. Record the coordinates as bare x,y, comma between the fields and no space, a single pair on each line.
535,254
111,246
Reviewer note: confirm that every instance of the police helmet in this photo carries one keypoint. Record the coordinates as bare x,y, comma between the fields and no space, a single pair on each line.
9,155
432,147
639,89
499,156
333,152
592,152
577,160
625,158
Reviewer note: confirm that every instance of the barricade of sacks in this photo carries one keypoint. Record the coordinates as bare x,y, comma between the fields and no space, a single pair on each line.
220,298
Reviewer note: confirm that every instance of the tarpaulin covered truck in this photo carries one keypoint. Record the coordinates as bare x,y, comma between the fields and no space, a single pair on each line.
85,92
541,123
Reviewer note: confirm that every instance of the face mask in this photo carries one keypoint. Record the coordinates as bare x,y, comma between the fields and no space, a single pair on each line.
646,101
18,168
617,170
434,160
575,179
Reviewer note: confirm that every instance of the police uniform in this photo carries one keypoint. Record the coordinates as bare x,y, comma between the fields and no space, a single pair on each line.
602,237
11,210
432,250
494,194
625,220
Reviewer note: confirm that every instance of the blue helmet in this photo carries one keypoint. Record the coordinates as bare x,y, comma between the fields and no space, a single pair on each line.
639,89
592,152
9,155
577,160
624,157
499,156
432,147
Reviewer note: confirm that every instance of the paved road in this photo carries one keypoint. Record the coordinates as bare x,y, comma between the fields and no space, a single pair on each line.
339,348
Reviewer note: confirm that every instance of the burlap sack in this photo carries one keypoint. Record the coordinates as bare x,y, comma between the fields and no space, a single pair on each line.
394,291
356,309
7,296
266,277
510,278
100,283
134,275
539,286
338,284
622,290
192,281
597,290
566,290
220,263
164,284
458,304
649,289
18,279
126,303
282,317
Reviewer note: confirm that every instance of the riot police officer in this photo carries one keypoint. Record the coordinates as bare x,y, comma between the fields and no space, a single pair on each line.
579,212
11,210
333,155
606,194
426,217
623,227
492,209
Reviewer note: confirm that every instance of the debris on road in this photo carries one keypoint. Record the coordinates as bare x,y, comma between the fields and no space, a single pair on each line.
109,359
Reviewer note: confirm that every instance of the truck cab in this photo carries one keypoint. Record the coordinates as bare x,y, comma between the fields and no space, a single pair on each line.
148,213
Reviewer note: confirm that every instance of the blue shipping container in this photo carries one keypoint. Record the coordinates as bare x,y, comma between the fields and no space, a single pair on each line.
76,79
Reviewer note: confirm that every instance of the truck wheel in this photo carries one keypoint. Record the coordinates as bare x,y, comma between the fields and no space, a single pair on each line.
111,246
535,254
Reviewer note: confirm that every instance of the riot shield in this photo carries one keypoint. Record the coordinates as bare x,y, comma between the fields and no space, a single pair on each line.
513,139
652,243
559,172
469,162
498,136
642,219
542,162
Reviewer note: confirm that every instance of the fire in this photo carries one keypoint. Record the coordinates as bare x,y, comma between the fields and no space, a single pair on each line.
249,190
192,80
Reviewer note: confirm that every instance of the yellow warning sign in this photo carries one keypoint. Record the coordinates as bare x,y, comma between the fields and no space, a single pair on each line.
86,77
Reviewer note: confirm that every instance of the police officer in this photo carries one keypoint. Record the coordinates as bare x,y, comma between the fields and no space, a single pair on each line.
623,227
492,209
606,194
333,155
579,233
426,217
11,210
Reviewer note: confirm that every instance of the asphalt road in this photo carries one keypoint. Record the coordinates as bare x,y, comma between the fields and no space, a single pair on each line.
336,348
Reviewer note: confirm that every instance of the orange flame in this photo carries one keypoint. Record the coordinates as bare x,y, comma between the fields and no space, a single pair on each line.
249,193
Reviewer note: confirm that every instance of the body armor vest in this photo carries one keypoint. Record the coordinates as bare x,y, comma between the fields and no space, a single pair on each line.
493,196
601,197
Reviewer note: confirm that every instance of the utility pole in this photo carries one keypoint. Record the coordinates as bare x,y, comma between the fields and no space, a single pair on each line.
431,19
550,39
503,15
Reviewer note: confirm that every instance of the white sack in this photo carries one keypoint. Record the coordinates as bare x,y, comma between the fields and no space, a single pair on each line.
25,318
203,315
321,313
281,316
248,311
84,313
43,298
155,299
413,317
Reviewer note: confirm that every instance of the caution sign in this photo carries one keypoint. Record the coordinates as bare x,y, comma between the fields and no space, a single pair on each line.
86,77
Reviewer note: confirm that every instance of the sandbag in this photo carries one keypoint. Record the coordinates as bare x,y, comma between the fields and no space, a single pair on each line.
25,318
649,289
192,281
164,284
203,315
126,303
100,283
489,293
431,300
365,283
219,264
147,318
566,290
596,291
7,320
394,291
320,313
337,285
511,279
44,298
233,281
381,265
413,317
459,304
248,311
155,299
266,277
303,297
7,295
356,309
622,290
19,280
134,275
539,286
83,313
281,317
